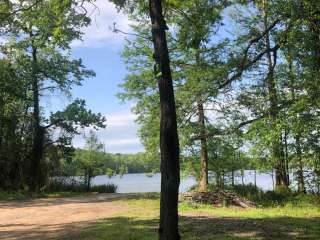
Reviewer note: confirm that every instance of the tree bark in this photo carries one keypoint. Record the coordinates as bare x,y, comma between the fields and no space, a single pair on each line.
281,175
89,180
38,131
299,173
286,155
301,184
203,183
169,143
232,177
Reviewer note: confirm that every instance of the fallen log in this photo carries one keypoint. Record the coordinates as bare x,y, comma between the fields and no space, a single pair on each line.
238,201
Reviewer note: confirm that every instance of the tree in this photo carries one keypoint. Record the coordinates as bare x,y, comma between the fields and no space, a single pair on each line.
14,126
196,23
42,36
91,161
195,60
169,143
38,52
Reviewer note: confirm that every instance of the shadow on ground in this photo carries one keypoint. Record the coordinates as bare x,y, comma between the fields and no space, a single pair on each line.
191,228
45,232
206,228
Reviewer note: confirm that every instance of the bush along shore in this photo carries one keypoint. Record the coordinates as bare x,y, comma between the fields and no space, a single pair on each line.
60,184
59,188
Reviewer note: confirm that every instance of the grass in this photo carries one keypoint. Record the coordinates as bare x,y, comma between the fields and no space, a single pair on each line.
22,195
296,218
275,198
204,222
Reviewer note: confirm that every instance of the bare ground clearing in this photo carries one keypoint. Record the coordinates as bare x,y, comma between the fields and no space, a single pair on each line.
55,218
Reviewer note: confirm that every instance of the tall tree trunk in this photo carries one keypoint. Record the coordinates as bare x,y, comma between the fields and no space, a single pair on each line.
272,175
255,178
38,131
169,142
217,177
89,180
232,177
281,178
286,155
315,31
222,180
242,176
241,163
203,183
301,184
299,173
232,169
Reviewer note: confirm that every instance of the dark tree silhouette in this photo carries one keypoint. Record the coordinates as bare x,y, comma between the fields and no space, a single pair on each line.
169,143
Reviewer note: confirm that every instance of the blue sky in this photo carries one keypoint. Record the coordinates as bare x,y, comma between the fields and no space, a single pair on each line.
100,51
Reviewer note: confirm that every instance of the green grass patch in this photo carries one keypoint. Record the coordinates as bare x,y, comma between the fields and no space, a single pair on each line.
204,222
298,218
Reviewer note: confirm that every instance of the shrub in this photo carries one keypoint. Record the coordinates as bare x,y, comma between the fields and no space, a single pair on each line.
246,190
62,184
8,196
104,188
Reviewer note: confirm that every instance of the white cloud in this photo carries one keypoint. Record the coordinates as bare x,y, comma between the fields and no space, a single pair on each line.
99,34
2,40
120,135
120,119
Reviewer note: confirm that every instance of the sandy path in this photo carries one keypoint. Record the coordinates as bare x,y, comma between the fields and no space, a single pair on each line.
56,218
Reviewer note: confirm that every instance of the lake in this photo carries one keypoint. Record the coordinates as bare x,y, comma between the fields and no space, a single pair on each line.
140,182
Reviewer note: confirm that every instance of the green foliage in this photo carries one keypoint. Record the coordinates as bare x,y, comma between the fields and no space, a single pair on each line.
258,87
65,185
109,172
76,115
264,108
108,164
277,198
90,162
246,190
36,60
9,196
60,184
193,55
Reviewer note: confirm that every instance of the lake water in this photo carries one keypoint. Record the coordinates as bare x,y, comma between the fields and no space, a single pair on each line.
132,183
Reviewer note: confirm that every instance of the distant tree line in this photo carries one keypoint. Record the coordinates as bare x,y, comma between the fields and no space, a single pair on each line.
86,162
92,161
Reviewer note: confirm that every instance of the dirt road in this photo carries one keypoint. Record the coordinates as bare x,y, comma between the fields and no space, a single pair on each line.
56,218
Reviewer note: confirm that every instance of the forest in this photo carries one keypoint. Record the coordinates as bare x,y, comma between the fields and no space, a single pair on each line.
219,87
